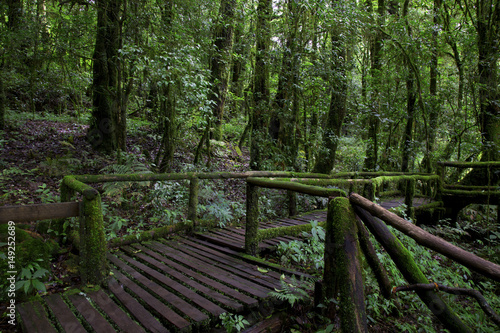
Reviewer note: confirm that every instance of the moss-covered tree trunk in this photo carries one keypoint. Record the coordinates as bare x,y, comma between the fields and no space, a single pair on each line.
106,121
488,42
221,62
260,115
371,159
325,158
343,271
411,99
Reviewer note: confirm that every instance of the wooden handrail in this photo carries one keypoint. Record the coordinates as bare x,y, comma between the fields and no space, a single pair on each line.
35,212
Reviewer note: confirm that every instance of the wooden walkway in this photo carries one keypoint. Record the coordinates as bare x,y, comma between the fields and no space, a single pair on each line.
176,285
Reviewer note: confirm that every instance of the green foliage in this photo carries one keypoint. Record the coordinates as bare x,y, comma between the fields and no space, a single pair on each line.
307,254
291,291
46,195
232,322
438,269
214,205
162,197
127,164
31,277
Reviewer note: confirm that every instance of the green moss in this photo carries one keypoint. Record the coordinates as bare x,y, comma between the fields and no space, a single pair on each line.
93,247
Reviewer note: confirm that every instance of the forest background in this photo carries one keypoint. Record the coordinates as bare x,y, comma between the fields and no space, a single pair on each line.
400,84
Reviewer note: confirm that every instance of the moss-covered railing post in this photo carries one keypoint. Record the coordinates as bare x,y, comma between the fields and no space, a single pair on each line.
252,220
343,271
194,186
93,264
409,195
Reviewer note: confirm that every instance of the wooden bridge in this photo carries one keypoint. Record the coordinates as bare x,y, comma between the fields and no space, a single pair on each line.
169,285
183,282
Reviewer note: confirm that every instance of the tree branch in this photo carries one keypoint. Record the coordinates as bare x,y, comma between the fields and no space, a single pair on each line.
455,291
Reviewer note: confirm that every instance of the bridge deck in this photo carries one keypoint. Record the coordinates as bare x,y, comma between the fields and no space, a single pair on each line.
181,284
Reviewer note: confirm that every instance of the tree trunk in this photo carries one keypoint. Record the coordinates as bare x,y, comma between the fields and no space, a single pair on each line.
434,103
325,159
488,30
221,61
105,123
371,160
407,144
260,115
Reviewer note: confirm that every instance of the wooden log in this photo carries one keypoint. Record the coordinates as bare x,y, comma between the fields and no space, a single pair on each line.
343,271
36,212
371,257
410,270
297,187
252,220
428,240
193,199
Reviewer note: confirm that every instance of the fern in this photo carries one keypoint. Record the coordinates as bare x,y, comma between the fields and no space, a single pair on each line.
128,165
290,291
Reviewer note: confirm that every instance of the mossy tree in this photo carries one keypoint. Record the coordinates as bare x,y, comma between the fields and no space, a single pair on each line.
325,158
108,123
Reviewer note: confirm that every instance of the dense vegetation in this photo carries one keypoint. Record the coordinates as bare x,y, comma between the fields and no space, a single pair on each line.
118,86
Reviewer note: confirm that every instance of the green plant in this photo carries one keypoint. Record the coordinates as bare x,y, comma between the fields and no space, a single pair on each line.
127,164
232,322
291,292
31,277
214,205
46,195
308,253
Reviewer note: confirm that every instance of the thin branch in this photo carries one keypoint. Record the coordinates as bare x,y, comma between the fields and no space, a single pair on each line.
455,291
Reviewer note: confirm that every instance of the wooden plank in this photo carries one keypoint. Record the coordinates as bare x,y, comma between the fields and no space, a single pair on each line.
247,258
162,310
213,271
187,275
64,315
34,318
224,242
238,267
35,212
185,292
135,308
113,311
91,315
158,290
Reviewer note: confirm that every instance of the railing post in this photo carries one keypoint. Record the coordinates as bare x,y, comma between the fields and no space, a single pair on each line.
194,186
252,220
292,202
343,270
409,195
93,248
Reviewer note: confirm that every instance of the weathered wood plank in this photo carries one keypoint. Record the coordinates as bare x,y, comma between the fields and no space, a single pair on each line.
135,308
236,266
158,290
184,271
117,315
64,315
35,212
162,310
34,318
213,271
91,315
